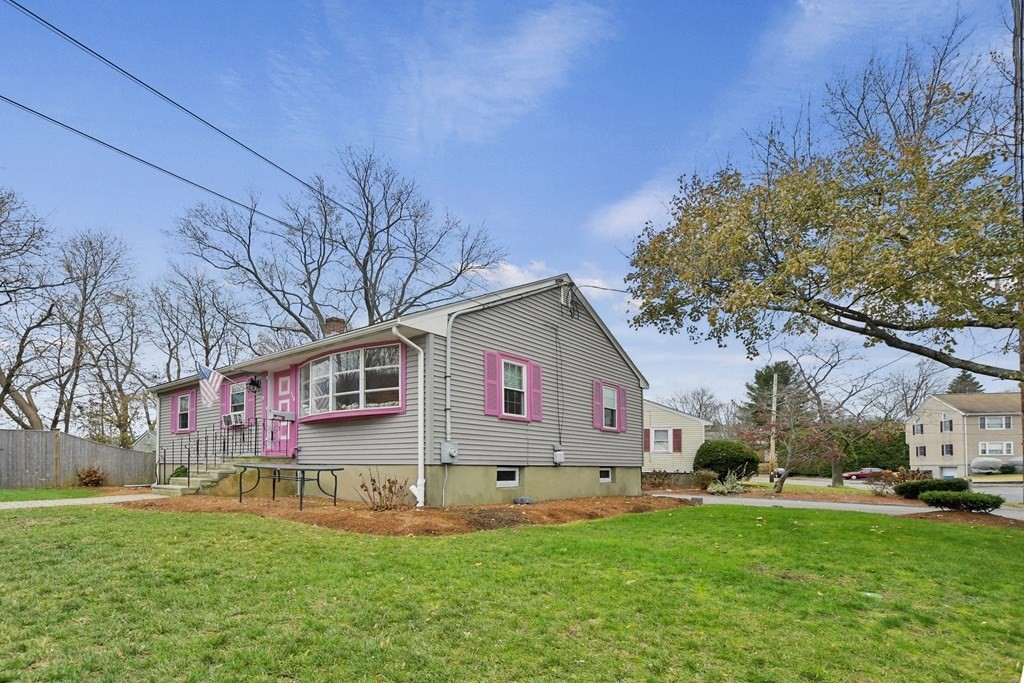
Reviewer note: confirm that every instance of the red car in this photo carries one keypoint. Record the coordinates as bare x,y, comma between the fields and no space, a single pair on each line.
864,473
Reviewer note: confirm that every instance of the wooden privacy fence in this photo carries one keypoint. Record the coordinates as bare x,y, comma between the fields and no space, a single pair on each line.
30,459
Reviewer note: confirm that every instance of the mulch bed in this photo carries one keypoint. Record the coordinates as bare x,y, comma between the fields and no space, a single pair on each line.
970,518
800,495
411,522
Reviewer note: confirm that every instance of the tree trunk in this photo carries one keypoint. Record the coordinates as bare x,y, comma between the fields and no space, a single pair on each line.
837,473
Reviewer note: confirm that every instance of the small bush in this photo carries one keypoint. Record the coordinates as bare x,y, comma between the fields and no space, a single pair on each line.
962,501
723,457
883,485
658,479
91,476
728,487
382,494
913,489
903,474
1007,468
704,478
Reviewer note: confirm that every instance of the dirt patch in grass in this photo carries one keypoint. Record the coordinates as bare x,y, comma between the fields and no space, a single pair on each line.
970,518
411,522
837,497
120,490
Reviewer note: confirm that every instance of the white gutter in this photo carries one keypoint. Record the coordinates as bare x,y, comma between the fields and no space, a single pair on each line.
419,489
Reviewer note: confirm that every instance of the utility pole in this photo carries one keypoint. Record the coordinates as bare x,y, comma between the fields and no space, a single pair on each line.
1018,175
771,440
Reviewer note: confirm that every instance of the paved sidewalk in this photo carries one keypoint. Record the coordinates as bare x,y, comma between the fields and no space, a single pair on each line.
878,509
98,500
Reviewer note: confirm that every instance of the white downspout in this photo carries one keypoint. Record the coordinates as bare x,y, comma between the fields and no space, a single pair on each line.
419,490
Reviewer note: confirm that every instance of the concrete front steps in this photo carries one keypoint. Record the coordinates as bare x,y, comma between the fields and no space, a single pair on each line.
200,479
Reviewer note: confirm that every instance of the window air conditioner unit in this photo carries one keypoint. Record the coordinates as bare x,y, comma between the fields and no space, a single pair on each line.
232,420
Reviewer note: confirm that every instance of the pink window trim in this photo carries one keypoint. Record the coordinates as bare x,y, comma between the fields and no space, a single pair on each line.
620,407
351,414
493,381
191,393
249,413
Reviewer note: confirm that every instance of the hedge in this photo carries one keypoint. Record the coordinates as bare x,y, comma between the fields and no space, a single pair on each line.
962,501
913,489
723,456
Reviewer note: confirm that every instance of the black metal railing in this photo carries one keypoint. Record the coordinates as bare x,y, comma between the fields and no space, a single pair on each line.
214,445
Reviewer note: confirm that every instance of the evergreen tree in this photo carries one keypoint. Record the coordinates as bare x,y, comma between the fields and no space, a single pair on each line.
757,408
965,383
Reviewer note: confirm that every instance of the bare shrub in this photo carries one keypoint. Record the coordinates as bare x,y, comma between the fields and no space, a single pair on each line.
382,493
658,479
91,476
704,478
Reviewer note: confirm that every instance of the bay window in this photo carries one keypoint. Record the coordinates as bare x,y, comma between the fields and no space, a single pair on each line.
368,378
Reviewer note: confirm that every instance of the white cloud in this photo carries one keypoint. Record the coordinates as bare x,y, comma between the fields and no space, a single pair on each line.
626,217
507,274
467,83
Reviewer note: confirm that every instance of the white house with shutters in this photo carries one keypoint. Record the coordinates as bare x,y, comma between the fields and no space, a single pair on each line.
671,438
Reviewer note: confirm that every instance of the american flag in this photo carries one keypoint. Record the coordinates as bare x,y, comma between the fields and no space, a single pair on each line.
209,384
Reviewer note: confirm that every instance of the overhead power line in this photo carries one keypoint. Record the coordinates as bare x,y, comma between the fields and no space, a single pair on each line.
142,161
182,108
166,98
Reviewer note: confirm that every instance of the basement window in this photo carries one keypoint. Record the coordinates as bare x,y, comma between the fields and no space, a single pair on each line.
507,477
604,475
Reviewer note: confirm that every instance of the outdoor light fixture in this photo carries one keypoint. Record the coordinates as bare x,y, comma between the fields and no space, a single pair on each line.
253,385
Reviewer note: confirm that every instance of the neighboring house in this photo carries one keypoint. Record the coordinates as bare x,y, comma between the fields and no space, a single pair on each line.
949,431
671,438
522,392
145,442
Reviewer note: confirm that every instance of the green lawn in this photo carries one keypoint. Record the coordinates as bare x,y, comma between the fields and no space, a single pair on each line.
11,495
696,594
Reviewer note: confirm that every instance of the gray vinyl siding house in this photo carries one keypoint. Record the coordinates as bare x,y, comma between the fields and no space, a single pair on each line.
534,398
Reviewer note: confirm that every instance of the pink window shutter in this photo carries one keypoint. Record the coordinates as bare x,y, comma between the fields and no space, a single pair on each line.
250,408
622,409
225,400
598,405
192,411
492,383
536,393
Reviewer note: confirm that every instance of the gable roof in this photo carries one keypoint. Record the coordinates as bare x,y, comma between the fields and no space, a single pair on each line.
982,404
431,320
648,401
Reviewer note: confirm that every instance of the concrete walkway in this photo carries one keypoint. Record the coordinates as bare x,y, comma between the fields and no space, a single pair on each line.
98,500
878,508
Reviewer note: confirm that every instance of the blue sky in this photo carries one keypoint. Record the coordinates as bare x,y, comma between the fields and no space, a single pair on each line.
562,126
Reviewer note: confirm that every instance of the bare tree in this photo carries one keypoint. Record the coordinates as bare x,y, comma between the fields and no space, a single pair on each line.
193,318
95,266
114,384
371,247
700,402
901,393
403,259
24,245
840,400
27,307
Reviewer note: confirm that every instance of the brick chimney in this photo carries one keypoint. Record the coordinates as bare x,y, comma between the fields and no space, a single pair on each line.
334,326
